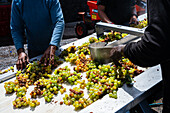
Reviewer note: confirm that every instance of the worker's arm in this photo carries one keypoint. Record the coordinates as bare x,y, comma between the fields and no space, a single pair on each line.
134,16
153,48
102,14
17,31
58,22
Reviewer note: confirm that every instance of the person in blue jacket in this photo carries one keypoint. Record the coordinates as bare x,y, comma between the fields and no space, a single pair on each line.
42,23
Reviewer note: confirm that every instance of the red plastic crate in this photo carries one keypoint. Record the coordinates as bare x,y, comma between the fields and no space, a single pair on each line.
5,28
93,10
5,11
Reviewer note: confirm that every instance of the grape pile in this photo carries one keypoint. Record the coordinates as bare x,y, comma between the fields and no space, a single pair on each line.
111,36
142,24
34,73
100,79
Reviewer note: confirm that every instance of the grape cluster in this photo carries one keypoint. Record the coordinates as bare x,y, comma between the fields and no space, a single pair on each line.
82,103
33,103
111,36
47,88
62,90
48,95
75,94
21,91
81,63
84,48
93,39
82,84
142,24
65,52
96,91
23,102
72,57
35,73
9,87
64,75
20,102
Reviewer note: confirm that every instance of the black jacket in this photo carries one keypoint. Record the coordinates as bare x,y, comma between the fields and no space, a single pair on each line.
154,46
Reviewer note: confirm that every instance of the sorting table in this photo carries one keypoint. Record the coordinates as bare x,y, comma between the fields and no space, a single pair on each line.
145,85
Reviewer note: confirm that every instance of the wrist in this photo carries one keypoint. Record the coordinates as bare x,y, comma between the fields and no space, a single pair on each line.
20,50
53,49
134,15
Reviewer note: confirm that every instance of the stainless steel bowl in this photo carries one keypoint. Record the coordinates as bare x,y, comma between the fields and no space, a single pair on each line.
100,53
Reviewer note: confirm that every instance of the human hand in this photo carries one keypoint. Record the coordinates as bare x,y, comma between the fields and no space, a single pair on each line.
116,53
133,20
49,54
23,59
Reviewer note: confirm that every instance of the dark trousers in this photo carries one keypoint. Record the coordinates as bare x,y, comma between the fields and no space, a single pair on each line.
166,86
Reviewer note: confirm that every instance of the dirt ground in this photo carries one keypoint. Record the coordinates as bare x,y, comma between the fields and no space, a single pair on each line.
8,57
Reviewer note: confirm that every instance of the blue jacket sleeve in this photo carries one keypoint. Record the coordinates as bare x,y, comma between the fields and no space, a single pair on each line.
58,22
17,25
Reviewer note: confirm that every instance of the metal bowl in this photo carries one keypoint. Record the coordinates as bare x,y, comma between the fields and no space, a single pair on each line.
100,53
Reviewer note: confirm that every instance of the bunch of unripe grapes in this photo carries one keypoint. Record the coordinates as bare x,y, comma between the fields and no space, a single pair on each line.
82,84
74,77
93,40
64,75
111,36
23,102
20,102
33,103
72,57
75,94
93,75
84,48
47,88
92,64
48,95
21,91
142,24
82,103
96,91
82,63
9,87
65,52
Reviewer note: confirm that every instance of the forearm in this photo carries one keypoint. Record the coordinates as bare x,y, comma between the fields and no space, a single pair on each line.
134,13
57,33
104,17
58,21
18,39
